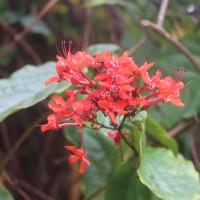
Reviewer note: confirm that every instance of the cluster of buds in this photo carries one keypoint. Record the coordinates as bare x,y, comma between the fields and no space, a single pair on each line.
111,85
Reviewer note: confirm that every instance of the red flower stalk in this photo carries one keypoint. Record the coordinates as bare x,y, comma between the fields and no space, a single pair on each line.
79,154
116,136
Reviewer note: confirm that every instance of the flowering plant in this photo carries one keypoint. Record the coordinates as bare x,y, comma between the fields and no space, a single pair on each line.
116,87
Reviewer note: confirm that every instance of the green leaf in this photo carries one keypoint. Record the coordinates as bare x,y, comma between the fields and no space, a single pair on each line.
105,121
136,129
40,28
5,194
104,157
92,3
168,176
124,184
25,87
159,133
100,48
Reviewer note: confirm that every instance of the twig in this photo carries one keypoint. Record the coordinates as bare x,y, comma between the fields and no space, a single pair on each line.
38,193
28,48
12,183
158,28
95,194
5,136
19,36
162,11
19,142
177,130
168,37
137,46
193,148
88,28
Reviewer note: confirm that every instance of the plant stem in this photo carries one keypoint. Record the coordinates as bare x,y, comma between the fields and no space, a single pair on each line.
162,11
101,189
128,142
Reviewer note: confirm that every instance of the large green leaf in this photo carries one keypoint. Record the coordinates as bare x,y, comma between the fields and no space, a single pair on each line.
159,133
5,194
104,157
100,48
125,185
26,87
169,177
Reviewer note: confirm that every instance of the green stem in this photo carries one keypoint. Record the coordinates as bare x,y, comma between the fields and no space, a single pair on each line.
128,142
101,189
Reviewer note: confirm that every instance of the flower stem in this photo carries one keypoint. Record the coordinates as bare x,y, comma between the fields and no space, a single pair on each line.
128,142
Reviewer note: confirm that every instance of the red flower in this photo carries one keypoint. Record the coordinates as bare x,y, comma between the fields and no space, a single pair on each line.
127,65
169,91
169,88
116,136
62,69
79,154
61,107
143,72
112,107
52,124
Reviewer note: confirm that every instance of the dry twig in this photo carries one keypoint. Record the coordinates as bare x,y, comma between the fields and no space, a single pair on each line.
27,47
158,28
19,36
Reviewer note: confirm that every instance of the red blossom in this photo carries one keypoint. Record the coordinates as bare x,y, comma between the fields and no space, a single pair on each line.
79,154
116,136
110,107
62,71
52,124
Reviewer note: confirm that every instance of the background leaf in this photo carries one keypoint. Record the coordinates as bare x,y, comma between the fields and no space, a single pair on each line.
40,28
100,48
92,3
160,134
26,87
169,177
5,194
125,185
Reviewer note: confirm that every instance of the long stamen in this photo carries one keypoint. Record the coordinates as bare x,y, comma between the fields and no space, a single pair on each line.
179,74
64,49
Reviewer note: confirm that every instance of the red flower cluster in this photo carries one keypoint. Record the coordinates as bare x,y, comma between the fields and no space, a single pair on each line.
115,86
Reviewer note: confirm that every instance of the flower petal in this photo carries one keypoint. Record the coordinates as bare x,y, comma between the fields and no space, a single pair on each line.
52,80
82,167
73,159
